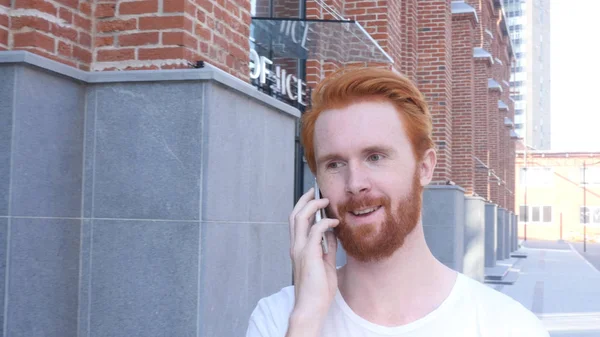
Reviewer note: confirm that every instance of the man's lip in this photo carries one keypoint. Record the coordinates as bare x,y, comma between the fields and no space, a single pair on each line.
366,208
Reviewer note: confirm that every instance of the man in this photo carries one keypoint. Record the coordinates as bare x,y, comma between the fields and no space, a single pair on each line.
367,139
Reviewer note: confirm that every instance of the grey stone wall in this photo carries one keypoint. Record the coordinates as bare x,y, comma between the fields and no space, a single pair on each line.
474,255
501,231
491,242
139,203
444,223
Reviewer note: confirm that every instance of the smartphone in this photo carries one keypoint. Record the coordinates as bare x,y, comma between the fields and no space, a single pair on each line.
321,215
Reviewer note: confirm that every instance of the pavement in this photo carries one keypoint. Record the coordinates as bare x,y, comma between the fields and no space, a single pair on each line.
560,286
592,252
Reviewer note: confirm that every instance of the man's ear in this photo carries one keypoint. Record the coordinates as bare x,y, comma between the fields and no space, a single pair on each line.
427,166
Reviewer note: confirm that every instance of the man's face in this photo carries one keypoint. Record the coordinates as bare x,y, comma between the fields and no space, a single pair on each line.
367,170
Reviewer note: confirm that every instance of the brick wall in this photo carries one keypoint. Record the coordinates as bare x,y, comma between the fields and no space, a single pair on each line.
418,35
145,34
57,29
463,98
434,71
408,36
482,73
493,142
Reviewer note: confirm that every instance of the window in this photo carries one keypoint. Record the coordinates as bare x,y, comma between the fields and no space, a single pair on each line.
536,176
589,215
547,214
592,176
535,214
523,213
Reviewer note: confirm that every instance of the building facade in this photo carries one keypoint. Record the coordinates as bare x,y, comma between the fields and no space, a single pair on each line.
556,198
149,155
529,25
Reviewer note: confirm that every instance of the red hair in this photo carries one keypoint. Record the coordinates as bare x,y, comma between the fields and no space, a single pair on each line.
351,85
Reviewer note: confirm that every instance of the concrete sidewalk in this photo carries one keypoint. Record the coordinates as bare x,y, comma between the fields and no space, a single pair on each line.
561,287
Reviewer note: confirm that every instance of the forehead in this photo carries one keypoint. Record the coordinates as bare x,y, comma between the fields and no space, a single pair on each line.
358,126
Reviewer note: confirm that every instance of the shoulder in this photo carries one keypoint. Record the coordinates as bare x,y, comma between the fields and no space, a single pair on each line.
500,312
271,315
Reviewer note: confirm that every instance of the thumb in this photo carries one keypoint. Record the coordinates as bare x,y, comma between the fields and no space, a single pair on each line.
332,246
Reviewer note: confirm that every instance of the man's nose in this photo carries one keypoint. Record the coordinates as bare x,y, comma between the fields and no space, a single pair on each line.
357,181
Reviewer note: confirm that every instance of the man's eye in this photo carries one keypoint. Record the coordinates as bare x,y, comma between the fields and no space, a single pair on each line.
334,165
375,157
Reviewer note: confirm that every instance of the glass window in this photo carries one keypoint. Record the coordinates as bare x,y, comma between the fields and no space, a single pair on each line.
535,213
547,216
589,215
584,215
523,213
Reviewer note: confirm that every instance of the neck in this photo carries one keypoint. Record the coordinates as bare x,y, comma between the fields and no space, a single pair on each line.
402,288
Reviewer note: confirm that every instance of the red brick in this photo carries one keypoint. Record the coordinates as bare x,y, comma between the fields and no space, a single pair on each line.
207,5
40,5
5,3
161,22
82,22
48,55
69,3
138,39
4,36
161,53
4,20
105,10
172,6
65,15
65,49
85,8
116,25
34,39
85,39
203,33
63,32
102,41
201,16
180,39
111,55
19,22
139,7
81,54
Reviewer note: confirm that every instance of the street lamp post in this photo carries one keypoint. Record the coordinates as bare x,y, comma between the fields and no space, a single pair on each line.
585,212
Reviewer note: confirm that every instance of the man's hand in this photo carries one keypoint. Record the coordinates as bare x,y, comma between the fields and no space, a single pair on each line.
315,278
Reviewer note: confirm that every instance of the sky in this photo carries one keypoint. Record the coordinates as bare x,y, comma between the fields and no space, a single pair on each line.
575,74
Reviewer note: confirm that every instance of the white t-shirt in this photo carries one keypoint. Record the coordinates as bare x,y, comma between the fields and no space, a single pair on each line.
471,310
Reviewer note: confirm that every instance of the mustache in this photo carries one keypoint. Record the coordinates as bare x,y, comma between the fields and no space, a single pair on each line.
355,203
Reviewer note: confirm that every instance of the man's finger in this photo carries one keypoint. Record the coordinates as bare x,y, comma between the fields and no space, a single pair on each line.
306,197
332,243
317,231
302,220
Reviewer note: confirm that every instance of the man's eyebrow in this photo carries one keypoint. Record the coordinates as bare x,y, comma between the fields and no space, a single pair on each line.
378,148
328,157
370,149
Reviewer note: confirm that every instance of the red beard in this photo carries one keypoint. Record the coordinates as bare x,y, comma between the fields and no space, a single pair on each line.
366,242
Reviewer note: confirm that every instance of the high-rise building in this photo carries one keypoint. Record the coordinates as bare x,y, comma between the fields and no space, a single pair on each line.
529,26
